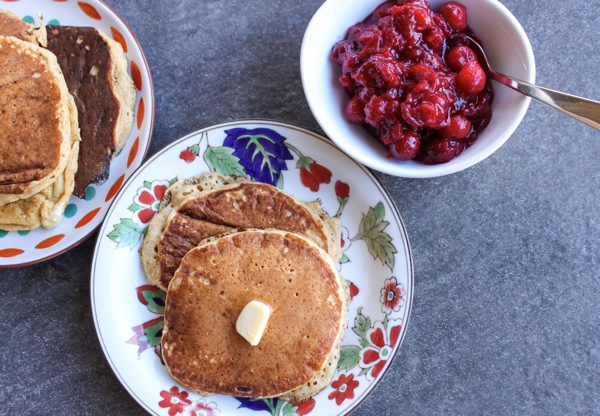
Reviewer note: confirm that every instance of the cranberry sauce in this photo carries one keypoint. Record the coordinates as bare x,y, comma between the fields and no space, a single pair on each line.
413,81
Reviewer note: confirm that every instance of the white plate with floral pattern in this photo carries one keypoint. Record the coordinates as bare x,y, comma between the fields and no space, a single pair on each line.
376,262
83,216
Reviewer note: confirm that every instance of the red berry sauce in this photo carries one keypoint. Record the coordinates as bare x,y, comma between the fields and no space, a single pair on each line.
413,81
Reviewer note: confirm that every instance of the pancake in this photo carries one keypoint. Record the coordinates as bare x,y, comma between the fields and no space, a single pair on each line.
11,24
46,208
195,213
173,195
36,119
95,69
184,188
298,353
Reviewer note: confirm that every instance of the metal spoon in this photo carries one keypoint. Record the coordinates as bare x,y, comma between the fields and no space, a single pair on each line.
585,110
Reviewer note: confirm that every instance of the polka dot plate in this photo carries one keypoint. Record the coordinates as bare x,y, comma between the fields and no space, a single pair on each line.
83,216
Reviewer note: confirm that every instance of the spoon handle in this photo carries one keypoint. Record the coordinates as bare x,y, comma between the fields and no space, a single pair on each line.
585,110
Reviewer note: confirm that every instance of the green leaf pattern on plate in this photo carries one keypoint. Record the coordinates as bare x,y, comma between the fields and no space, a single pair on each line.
371,231
126,233
222,160
349,357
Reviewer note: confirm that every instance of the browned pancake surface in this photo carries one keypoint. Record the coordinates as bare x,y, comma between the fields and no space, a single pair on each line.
247,205
13,25
30,136
201,347
86,62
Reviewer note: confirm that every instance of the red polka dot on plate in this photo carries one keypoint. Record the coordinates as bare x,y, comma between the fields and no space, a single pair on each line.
11,252
87,217
140,113
115,188
49,242
133,152
118,36
136,75
89,10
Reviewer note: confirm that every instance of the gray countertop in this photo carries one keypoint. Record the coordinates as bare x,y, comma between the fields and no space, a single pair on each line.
506,316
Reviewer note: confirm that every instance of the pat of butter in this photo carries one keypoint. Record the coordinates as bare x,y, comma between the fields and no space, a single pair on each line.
252,321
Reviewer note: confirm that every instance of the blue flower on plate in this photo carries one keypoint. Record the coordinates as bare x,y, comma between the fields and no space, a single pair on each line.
261,151
254,404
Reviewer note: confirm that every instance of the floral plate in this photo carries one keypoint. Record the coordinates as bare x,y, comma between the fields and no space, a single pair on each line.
83,216
376,263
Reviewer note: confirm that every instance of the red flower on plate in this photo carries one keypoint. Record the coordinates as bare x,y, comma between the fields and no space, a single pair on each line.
381,339
174,400
190,154
344,388
353,289
392,296
312,175
342,189
147,200
305,407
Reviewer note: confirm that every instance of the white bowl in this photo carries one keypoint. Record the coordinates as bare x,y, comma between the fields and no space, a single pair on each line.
505,43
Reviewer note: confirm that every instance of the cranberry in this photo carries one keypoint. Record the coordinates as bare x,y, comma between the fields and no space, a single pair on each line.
389,71
442,150
407,147
458,56
391,134
373,43
455,14
411,21
478,107
351,63
365,94
378,109
355,111
420,72
339,52
379,72
443,25
471,79
347,82
420,116
458,129
434,38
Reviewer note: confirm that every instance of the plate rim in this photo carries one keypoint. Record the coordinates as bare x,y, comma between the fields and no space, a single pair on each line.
80,240
258,121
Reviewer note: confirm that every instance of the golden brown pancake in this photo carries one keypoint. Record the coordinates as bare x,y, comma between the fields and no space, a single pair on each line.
12,25
35,120
193,216
95,70
298,352
46,208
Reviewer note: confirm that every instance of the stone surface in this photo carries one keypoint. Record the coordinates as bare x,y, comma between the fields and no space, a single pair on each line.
507,266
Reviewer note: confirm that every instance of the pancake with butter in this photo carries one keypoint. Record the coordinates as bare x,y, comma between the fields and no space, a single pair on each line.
95,69
298,352
195,213
38,120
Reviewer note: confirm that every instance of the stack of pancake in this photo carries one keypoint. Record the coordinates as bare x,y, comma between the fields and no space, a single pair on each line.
220,242
62,92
